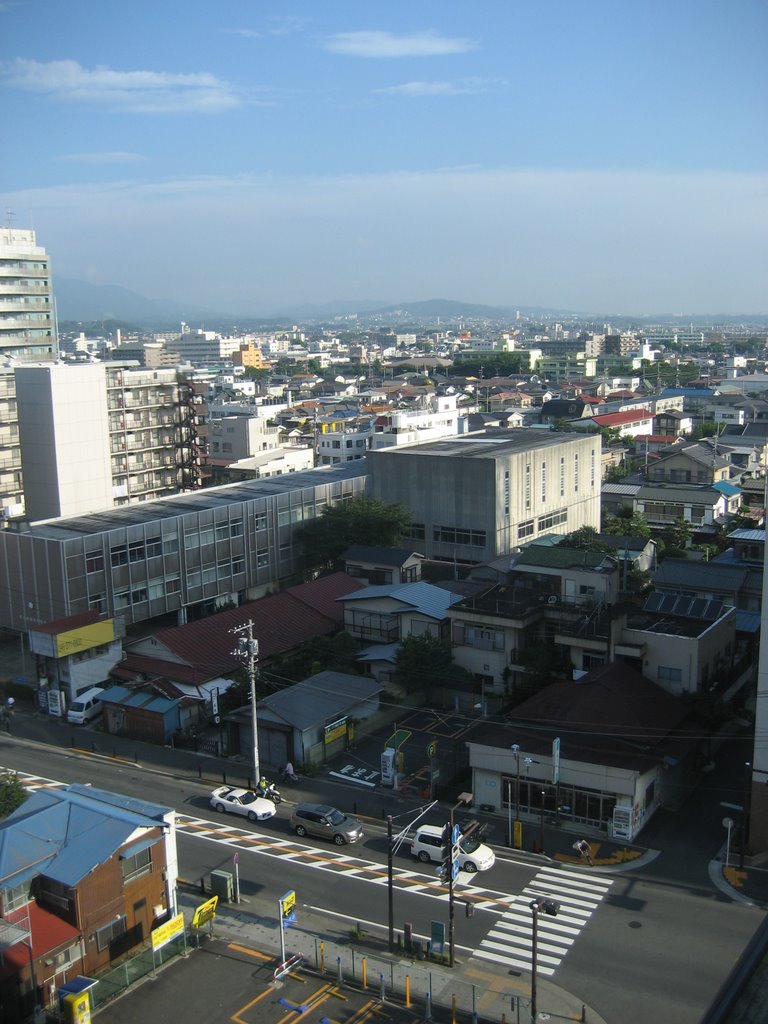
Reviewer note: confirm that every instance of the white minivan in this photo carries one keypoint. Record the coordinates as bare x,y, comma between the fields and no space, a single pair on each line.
85,706
473,855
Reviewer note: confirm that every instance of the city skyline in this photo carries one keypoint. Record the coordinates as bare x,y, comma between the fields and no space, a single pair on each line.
250,158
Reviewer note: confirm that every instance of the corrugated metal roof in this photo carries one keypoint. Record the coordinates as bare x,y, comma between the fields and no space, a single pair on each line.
66,833
319,699
422,597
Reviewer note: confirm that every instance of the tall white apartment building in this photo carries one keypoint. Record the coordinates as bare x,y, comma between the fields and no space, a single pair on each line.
11,482
26,320
93,436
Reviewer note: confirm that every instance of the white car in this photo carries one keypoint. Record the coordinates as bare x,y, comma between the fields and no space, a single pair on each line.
227,799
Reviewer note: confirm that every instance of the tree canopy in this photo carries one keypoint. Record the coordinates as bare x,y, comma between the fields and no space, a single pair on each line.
424,661
12,793
359,521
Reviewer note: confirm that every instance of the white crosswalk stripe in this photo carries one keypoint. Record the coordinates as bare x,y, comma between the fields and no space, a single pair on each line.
510,940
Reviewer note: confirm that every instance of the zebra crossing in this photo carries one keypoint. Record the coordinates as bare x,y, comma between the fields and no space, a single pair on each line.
510,940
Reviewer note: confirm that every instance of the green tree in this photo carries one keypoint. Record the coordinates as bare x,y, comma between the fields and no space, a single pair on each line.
425,660
677,537
360,521
544,663
12,793
627,523
588,538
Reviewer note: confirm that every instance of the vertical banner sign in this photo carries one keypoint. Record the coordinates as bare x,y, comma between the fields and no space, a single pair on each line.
555,761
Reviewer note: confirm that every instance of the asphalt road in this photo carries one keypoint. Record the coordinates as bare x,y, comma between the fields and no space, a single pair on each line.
655,946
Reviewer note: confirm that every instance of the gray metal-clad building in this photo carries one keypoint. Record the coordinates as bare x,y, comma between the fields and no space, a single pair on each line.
141,561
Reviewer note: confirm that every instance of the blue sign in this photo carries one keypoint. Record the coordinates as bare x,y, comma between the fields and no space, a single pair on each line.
456,834
455,870
289,919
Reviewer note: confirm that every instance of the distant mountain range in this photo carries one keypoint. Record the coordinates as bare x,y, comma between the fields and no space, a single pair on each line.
79,301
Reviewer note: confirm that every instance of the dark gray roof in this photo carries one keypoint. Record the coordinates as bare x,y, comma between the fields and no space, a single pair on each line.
378,556
196,501
319,699
705,576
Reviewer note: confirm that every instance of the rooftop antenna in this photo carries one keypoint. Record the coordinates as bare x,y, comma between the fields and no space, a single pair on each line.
10,217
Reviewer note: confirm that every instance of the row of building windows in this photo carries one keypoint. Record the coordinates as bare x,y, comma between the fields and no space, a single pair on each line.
459,535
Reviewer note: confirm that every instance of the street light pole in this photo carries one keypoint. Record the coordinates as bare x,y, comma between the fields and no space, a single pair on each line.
541,827
550,907
515,748
745,813
248,652
390,900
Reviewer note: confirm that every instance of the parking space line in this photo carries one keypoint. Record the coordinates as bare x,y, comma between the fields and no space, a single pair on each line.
236,1016
251,952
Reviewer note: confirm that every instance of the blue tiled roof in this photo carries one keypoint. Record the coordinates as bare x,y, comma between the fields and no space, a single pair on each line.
422,597
66,833
727,489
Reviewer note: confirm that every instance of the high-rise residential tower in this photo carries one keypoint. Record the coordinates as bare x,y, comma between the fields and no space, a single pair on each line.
27,330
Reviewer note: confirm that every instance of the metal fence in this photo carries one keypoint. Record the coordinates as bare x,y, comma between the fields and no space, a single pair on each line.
132,970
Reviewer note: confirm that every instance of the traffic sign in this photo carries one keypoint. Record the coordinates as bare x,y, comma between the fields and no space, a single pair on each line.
455,869
456,834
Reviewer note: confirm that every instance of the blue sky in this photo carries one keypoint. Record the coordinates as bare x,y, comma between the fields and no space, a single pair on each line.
252,155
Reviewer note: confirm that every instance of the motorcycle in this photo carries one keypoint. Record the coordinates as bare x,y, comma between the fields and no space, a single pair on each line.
272,793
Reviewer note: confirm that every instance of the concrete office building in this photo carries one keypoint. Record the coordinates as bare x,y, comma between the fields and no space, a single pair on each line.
26,319
199,550
477,496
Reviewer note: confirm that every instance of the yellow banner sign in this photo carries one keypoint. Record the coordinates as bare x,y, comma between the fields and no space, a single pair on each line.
168,931
85,638
288,902
205,912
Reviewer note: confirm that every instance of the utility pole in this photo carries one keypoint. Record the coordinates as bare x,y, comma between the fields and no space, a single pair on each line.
248,652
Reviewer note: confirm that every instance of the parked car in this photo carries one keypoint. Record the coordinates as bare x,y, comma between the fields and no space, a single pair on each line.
326,822
473,855
228,800
86,706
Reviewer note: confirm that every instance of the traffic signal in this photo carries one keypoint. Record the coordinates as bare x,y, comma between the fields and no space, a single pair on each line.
446,854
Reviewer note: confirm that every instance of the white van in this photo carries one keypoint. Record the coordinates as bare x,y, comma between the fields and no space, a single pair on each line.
85,706
473,855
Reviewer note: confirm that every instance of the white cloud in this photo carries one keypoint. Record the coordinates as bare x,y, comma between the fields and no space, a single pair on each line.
152,92
106,157
386,44
247,33
465,87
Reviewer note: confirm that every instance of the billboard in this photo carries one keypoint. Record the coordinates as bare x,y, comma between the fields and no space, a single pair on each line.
84,638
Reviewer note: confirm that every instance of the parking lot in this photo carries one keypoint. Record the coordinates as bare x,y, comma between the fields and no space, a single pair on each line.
224,981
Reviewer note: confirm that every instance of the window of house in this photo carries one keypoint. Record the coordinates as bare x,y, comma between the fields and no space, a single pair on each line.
236,528
97,602
576,473
154,547
106,936
118,556
562,476
122,599
592,470
525,529
238,565
136,865
668,674
262,559
222,531
173,586
543,482
506,492
94,562
260,521
170,544
527,487
15,896
136,551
